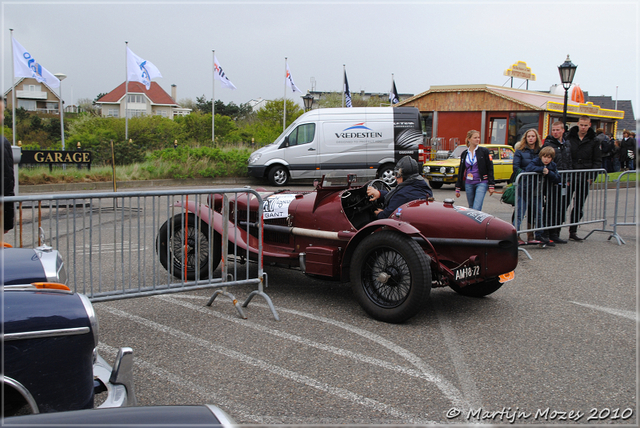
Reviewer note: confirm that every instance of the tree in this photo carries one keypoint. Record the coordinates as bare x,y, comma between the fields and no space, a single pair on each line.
203,105
88,105
100,95
272,112
334,99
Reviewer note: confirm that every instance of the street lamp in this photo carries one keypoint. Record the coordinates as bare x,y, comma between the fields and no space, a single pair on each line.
308,101
61,77
567,70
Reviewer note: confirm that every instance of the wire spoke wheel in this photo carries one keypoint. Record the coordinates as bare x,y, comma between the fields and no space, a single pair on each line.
391,276
386,278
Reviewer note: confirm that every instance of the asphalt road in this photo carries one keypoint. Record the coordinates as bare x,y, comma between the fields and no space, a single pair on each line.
555,345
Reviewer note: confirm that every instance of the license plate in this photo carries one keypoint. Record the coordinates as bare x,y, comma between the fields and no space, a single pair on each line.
435,179
467,272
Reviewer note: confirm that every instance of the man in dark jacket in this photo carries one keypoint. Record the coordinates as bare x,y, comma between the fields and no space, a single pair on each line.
557,200
585,154
411,186
8,179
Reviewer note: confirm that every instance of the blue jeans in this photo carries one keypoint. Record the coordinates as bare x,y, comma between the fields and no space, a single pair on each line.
475,194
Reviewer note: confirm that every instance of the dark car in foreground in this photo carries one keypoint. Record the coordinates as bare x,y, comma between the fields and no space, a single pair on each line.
332,232
49,341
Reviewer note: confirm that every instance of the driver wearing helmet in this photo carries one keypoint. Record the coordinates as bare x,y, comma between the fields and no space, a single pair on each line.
411,186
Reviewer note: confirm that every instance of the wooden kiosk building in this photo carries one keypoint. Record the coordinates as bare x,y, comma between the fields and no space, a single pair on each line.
501,114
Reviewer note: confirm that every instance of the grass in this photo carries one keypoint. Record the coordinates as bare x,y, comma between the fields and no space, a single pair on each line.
613,177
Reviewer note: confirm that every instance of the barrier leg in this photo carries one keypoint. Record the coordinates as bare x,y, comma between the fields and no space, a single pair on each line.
261,293
223,291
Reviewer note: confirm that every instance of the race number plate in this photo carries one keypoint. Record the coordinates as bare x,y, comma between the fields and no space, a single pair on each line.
467,272
435,179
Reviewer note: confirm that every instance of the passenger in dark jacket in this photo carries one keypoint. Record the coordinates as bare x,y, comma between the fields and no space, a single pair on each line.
585,154
556,204
627,151
411,186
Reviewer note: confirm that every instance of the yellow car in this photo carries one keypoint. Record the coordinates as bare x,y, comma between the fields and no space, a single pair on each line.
445,171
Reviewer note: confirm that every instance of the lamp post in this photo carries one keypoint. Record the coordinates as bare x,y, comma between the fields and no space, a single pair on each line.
567,70
308,101
61,77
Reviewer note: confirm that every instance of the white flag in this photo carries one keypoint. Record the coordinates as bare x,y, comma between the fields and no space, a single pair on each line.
24,65
139,70
219,74
289,81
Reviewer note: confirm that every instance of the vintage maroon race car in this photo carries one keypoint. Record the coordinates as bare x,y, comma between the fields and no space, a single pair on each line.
332,232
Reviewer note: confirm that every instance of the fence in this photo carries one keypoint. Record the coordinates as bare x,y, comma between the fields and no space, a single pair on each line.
625,213
131,244
579,198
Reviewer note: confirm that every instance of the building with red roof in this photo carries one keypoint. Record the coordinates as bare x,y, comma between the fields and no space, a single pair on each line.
154,101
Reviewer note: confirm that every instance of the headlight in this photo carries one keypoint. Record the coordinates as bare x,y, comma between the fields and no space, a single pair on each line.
452,170
443,170
426,169
254,157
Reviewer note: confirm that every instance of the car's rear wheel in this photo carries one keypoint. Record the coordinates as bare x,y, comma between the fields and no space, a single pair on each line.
391,276
385,173
278,175
184,252
480,289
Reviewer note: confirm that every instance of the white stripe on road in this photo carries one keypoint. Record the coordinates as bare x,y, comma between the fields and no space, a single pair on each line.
234,409
425,372
263,365
618,312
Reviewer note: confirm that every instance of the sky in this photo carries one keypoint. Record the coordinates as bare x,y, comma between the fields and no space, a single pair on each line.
421,43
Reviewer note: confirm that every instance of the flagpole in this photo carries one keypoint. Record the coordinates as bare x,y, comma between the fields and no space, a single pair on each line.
213,97
126,94
284,118
392,84
13,90
344,75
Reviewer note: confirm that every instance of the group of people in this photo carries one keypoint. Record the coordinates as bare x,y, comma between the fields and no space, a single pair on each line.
577,150
618,155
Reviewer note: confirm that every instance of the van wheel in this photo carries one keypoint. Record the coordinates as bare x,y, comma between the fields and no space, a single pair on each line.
278,175
386,174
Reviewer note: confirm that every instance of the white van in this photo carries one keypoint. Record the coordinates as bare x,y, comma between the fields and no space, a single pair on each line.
366,141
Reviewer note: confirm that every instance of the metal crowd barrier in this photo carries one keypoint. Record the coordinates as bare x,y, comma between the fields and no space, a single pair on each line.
625,213
579,198
110,241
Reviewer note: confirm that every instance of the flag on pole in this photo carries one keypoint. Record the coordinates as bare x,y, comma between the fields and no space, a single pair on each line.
347,93
139,70
393,93
289,81
219,74
24,65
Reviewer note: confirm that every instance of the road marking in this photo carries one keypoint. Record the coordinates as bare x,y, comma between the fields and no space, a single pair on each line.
465,376
618,312
234,409
263,365
110,247
425,372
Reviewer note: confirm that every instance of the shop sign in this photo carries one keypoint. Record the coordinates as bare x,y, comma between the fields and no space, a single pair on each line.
520,70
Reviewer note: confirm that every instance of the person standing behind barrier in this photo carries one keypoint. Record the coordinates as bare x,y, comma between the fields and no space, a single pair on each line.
544,165
615,155
627,151
8,178
585,154
605,147
556,203
475,171
526,151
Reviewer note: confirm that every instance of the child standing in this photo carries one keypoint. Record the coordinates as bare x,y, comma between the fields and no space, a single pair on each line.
544,165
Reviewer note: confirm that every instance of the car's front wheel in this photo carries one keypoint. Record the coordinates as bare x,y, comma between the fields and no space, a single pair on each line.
391,276
183,247
435,184
479,289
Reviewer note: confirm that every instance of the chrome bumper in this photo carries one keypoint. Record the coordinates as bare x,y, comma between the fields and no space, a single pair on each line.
118,379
